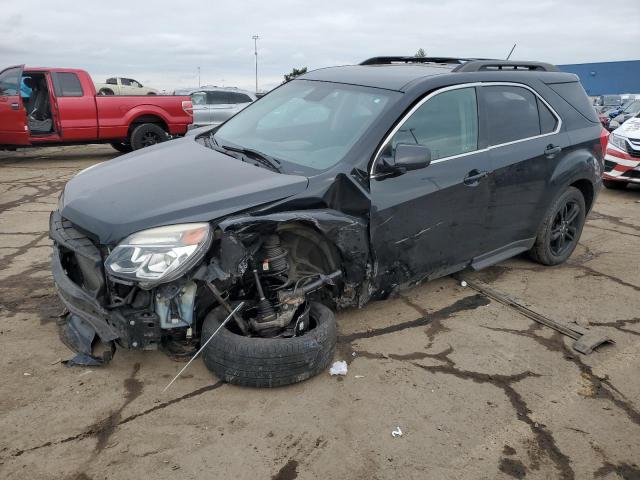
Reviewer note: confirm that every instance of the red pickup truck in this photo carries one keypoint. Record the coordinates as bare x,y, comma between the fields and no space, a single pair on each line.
54,106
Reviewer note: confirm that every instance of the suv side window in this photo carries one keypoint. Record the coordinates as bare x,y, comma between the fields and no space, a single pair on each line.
447,124
239,98
199,98
217,98
548,121
67,84
511,112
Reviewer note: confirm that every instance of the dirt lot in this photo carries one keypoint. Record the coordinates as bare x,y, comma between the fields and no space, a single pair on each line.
478,390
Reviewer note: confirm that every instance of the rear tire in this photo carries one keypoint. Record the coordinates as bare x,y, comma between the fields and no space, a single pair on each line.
146,135
560,231
269,362
614,184
124,147
105,91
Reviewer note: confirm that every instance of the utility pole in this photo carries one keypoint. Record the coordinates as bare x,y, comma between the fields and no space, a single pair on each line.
198,77
255,51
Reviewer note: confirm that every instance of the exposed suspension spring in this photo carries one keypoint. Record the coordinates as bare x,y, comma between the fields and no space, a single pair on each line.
274,256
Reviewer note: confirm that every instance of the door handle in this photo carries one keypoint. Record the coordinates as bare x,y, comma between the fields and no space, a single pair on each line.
15,106
474,176
551,150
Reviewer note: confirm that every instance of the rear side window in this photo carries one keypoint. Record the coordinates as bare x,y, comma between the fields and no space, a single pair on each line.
217,98
512,114
67,84
239,98
447,124
548,121
575,95
9,80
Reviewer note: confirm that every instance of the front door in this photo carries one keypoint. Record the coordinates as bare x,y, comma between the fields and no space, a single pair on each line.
431,222
201,109
13,115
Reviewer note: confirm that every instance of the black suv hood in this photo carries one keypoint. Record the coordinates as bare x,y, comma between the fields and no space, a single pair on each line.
176,182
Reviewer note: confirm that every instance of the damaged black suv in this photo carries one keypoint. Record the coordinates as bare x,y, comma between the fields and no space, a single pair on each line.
339,187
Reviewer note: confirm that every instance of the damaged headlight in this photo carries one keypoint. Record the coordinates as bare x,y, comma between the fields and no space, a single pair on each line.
159,255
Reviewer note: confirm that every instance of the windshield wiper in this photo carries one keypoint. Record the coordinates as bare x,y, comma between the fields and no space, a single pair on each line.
262,158
266,160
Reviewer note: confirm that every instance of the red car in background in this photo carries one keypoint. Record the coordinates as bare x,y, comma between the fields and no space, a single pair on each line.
59,106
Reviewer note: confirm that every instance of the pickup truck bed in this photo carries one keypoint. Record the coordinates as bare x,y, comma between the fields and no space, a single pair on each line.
53,106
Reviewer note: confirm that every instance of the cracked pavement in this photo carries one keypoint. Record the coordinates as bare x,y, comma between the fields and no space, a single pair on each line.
478,389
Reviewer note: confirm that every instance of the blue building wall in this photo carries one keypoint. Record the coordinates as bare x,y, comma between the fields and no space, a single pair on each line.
607,77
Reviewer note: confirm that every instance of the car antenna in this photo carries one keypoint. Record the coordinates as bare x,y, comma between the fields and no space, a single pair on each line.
235,310
512,49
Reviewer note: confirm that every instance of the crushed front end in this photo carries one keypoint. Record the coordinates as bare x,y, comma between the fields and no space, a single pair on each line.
155,288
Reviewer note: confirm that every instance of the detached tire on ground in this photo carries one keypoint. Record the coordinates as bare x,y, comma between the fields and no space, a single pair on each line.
561,228
146,135
269,362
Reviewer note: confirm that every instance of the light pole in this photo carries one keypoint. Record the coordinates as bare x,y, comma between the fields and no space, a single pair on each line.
255,51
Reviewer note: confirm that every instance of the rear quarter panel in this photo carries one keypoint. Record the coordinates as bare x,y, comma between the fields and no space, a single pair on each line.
582,160
117,113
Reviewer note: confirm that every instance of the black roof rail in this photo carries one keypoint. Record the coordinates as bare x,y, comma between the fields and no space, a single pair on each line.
390,60
513,65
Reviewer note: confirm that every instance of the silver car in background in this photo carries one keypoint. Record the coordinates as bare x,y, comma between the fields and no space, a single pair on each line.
213,105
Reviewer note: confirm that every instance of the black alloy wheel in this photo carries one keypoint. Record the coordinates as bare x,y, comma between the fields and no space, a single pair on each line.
150,138
564,231
561,227
146,135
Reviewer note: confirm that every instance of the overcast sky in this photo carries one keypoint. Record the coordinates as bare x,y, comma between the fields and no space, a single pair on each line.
161,43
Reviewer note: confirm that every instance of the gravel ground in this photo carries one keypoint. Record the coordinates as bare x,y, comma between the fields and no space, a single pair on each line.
478,389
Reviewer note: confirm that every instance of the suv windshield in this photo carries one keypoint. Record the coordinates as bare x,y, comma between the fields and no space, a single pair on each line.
306,123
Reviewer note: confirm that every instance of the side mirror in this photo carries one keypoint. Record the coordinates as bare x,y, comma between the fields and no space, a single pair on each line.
411,157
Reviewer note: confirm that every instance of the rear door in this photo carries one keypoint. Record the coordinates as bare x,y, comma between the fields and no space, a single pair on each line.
13,115
525,145
75,108
219,106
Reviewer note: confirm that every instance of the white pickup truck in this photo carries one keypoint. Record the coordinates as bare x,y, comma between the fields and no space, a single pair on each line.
123,86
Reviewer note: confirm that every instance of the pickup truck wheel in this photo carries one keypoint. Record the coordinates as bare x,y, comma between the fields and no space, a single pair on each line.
151,93
124,147
105,91
269,362
561,228
146,135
